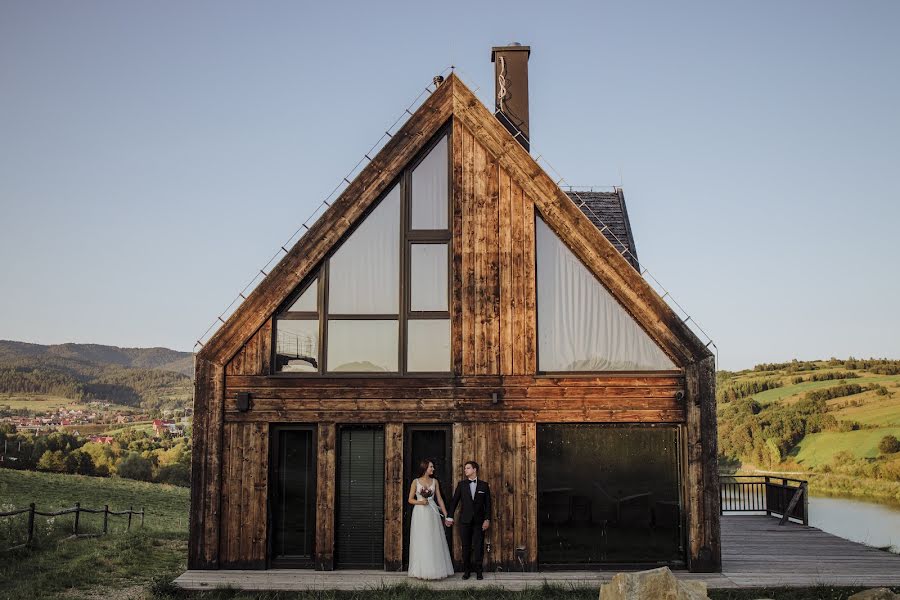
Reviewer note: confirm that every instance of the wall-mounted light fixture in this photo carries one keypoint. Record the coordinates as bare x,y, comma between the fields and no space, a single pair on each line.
243,401
496,397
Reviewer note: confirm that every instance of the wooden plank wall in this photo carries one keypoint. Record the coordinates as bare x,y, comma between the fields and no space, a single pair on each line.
243,539
506,455
255,357
518,319
477,243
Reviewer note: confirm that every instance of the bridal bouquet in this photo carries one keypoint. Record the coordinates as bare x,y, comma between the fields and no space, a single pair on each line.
426,493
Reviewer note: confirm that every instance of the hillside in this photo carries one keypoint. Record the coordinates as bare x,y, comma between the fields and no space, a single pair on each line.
117,565
825,418
145,377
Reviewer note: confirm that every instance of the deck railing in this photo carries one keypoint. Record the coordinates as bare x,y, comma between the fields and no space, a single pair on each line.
781,496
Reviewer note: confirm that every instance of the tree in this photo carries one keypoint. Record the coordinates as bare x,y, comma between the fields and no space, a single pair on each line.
52,461
889,444
135,466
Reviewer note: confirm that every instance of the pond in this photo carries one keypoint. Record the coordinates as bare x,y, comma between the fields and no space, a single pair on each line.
870,523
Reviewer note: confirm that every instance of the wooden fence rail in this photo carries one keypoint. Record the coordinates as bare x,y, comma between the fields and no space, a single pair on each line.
782,496
77,510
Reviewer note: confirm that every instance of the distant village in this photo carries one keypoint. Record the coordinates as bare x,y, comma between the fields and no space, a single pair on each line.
88,421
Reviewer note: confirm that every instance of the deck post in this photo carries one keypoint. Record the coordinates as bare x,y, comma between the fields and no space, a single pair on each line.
805,486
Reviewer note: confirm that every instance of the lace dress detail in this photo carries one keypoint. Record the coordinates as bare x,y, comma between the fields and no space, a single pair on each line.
429,557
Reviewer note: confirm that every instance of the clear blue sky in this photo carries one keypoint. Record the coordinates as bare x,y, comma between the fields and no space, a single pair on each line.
154,155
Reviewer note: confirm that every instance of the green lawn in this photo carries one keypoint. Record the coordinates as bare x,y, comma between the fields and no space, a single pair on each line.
91,567
819,448
876,410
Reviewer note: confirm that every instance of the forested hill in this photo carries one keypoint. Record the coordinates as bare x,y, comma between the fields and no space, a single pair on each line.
835,417
149,377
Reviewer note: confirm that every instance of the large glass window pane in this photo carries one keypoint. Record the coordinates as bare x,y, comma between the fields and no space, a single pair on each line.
429,189
308,300
607,494
581,327
362,346
364,273
428,277
297,345
429,345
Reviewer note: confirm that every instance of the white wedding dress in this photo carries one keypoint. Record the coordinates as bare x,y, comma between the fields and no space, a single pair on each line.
429,557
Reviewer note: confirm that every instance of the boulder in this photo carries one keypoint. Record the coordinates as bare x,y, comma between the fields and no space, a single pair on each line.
875,594
656,584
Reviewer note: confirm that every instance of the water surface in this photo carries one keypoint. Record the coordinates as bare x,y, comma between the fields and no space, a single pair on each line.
870,523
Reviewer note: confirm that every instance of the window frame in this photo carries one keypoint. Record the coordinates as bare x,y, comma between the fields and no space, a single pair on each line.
407,238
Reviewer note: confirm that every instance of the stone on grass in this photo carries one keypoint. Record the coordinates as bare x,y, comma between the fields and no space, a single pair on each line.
656,584
875,594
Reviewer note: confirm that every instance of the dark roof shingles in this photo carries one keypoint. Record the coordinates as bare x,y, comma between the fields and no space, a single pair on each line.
607,209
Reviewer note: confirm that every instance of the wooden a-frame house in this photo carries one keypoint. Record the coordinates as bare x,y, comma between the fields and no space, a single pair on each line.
455,304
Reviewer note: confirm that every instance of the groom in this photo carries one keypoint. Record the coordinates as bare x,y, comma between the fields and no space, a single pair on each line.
474,520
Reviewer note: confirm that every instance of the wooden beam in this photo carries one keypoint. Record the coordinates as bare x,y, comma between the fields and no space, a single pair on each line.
702,473
325,495
206,465
394,497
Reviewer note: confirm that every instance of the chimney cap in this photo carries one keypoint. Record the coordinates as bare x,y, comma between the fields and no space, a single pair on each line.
512,47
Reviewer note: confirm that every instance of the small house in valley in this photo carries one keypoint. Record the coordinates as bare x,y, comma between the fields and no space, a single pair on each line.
455,304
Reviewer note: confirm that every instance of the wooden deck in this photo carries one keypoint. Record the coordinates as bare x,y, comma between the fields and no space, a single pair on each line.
757,552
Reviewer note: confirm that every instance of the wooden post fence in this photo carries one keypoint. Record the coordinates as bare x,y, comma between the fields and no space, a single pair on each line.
77,510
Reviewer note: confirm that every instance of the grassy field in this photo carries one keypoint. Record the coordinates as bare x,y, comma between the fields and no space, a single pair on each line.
819,448
118,565
792,392
41,403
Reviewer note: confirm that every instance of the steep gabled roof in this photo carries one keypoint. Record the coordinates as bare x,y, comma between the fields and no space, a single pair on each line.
607,211
454,99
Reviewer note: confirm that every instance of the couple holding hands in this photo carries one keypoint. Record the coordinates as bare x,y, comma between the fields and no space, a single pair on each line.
429,557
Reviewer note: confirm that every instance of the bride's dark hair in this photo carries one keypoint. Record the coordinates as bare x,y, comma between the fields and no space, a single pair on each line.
423,466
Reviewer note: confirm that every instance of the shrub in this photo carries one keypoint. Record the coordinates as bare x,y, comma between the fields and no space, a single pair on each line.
889,444
135,466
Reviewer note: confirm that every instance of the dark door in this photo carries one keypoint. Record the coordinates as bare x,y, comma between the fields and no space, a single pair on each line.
293,496
426,442
359,535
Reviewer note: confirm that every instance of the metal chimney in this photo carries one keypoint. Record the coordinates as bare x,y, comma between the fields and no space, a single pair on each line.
511,81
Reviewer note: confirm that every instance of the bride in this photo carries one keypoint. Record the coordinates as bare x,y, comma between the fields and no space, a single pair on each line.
429,557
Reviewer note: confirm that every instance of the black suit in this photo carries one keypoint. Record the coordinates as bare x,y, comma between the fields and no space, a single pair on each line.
475,511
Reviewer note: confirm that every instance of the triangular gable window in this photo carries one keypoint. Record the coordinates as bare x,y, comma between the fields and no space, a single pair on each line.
581,327
380,302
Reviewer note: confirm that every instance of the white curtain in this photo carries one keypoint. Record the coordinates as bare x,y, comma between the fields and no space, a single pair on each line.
428,277
581,327
364,274
429,189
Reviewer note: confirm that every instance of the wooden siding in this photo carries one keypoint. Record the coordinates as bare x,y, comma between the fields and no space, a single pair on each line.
254,357
612,399
518,320
478,245
245,468
505,453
